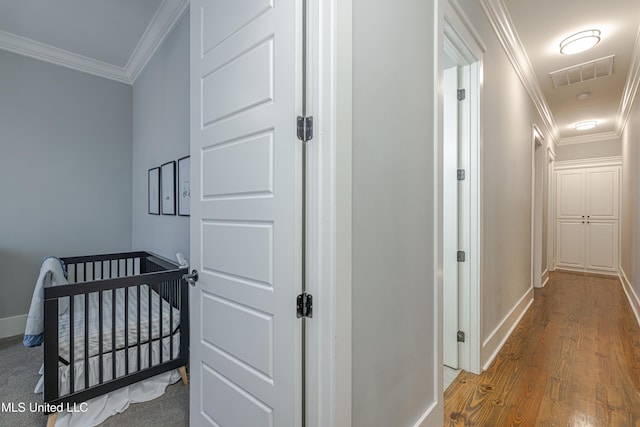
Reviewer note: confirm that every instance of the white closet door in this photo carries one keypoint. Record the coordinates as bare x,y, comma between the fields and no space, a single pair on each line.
602,251
570,194
571,243
602,192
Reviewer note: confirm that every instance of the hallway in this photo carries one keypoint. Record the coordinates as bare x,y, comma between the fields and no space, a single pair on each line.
574,360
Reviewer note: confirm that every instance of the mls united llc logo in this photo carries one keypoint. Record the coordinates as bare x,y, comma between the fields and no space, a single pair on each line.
19,407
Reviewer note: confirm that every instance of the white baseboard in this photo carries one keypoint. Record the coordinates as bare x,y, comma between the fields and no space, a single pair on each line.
634,301
432,417
10,326
498,337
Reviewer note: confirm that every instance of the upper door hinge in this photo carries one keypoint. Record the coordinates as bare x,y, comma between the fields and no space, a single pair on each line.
461,256
305,128
461,336
462,94
461,174
304,305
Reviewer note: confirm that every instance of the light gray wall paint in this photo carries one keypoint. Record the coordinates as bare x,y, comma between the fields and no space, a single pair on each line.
507,115
393,203
630,217
65,170
161,134
589,150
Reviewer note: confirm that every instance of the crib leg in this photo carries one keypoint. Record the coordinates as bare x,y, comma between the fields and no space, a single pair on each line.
51,421
183,375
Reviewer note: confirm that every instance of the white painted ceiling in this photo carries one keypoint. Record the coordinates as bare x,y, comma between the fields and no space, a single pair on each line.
542,24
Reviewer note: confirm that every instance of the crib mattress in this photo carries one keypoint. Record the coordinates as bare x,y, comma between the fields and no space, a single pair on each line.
162,313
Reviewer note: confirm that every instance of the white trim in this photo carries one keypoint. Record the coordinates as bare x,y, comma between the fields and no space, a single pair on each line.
163,21
494,343
588,163
500,20
431,417
551,206
594,137
11,326
634,300
328,394
545,277
459,34
169,12
630,90
32,49
536,141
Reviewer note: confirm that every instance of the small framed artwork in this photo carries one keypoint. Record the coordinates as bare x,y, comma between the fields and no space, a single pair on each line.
184,187
168,188
154,191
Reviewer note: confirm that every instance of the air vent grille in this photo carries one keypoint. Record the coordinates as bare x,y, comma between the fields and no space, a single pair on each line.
597,69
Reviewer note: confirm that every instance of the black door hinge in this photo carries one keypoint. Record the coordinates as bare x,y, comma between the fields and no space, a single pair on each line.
462,94
461,174
461,256
305,128
460,336
304,305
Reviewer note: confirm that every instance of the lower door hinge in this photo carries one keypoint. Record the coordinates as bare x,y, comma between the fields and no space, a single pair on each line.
460,336
304,305
305,128
461,256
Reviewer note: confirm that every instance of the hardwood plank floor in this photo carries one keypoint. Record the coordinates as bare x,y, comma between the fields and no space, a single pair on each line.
574,360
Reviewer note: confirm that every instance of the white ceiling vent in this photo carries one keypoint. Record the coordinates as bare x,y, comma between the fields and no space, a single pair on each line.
597,69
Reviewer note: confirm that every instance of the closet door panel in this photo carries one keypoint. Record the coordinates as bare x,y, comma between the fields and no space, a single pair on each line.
570,194
570,244
602,193
602,249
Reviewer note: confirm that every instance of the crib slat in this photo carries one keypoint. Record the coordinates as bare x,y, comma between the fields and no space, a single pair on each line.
170,296
114,300
139,337
150,318
126,331
100,337
72,361
161,289
86,340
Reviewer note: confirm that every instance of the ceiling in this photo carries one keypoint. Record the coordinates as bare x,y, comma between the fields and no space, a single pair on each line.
541,25
111,38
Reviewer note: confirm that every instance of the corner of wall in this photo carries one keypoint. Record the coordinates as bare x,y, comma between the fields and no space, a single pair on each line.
634,300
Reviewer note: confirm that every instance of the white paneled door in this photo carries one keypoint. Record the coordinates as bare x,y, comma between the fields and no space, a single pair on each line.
245,222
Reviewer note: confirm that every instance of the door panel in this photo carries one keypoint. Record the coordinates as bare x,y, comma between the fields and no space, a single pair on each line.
246,341
602,193
570,243
570,194
603,245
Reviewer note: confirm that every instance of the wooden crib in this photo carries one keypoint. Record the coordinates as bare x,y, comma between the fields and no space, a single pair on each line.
121,319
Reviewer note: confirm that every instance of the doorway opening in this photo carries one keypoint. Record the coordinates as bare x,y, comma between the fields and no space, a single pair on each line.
460,196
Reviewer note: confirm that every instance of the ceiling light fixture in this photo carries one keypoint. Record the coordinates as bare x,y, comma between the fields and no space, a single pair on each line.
589,124
579,42
583,95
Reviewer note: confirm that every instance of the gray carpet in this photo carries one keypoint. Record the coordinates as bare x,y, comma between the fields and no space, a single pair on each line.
19,374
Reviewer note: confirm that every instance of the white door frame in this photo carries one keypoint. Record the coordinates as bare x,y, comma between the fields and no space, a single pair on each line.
328,333
537,139
459,34
551,216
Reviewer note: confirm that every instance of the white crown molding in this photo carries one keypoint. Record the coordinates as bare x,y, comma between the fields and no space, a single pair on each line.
500,20
594,137
64,58
630,88
169,12
588,163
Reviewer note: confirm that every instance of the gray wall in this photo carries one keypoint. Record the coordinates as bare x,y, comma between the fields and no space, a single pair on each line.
589,150
507,115
630,218
393,202
161,134
65,170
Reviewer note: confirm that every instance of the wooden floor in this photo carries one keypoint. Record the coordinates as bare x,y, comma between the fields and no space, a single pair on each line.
574,360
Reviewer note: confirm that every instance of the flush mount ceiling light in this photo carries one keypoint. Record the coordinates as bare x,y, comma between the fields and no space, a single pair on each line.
579,42
583,96
589,124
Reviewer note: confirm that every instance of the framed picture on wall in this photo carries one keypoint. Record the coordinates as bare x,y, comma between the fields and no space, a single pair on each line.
154,191
168,188
184,187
